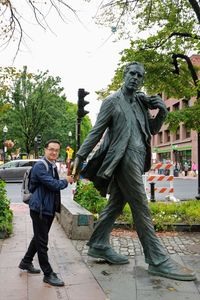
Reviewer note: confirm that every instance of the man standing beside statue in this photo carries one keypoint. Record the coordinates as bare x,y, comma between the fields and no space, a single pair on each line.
124,155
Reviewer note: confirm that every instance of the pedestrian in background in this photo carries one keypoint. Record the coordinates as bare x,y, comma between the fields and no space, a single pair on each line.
44,203
186,168
194,168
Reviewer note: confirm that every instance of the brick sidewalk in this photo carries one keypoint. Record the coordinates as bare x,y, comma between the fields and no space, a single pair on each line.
91,279
18,285
181,243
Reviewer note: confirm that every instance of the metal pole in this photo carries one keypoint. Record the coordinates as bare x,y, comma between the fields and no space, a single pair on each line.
4,150
78,133
198,157
4,154
36,147
152,188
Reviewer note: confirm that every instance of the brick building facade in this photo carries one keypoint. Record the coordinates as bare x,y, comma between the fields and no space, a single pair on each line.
179,147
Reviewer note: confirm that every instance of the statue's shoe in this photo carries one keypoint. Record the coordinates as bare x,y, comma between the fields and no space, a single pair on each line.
173,270
109,255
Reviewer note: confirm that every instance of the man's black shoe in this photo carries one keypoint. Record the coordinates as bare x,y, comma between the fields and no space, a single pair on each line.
53,279
29,268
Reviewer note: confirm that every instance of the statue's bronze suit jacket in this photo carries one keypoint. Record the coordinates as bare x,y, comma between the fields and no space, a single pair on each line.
114,122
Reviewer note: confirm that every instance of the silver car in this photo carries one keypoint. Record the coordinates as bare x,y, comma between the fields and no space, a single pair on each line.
13,171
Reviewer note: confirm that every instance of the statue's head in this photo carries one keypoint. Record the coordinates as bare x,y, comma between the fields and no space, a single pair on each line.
133,75
133,63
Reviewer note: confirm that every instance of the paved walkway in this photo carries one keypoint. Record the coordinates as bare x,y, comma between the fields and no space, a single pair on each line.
90,279
18,285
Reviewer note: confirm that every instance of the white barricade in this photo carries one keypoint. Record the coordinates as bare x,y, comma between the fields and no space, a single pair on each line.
151,178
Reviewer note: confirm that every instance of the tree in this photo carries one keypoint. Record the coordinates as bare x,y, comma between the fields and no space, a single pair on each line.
173,35
128,17
37,106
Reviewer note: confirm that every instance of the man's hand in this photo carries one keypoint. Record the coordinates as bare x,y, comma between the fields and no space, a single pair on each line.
70,179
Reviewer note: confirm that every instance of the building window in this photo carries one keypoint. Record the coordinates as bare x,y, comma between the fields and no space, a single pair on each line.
167,136
176,106
160,137
186,132
177,135
185,103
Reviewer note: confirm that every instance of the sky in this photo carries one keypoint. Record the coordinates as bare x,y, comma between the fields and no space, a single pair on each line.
80,53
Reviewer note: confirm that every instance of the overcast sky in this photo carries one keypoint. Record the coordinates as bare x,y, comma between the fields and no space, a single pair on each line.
81,54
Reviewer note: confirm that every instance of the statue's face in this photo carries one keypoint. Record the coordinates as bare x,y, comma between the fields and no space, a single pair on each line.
134,77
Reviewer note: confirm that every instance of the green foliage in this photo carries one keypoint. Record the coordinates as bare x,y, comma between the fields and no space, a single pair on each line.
171,29
190,116
126,216
132,17
6,215
32,104
165,214
88,197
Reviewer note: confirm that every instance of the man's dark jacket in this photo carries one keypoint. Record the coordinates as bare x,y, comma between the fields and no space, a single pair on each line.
45,189
115,118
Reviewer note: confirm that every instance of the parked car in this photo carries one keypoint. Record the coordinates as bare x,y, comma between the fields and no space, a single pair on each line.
13,171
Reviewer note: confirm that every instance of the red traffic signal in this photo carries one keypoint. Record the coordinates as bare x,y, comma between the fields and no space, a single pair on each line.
82,103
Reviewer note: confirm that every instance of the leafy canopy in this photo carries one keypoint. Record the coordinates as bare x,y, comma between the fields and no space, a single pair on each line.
37,105
163,36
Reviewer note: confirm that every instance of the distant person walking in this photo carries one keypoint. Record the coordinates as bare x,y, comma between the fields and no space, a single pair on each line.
186,168
194,168
45,201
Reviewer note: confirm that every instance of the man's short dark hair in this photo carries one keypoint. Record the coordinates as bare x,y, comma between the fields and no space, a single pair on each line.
127,67
52,141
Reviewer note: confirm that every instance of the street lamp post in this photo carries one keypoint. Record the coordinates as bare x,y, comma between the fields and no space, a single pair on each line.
5,130
69,135
198,147
68,154
36,147
175,151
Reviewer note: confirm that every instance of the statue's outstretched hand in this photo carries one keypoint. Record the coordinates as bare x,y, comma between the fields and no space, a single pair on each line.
76,168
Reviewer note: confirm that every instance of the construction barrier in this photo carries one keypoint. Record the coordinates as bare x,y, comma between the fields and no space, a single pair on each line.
151,180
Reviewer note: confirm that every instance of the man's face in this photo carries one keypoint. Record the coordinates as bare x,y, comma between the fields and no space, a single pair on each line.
52,151
134,77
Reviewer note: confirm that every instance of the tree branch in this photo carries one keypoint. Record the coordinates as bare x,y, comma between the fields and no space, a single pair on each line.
196,8
190,67
177,34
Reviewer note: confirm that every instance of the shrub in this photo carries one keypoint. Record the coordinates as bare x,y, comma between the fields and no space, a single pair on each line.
6,215
163,213
88,197
126,216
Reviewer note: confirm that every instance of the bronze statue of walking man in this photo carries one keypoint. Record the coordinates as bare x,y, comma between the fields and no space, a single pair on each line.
124,155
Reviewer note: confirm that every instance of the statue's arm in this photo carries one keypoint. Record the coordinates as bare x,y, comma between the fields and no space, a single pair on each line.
156,123
94,136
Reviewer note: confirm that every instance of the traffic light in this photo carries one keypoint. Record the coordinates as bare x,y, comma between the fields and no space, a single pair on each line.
82,103
39,139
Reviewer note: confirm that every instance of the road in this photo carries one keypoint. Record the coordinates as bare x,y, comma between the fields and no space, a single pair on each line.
14,192
184,189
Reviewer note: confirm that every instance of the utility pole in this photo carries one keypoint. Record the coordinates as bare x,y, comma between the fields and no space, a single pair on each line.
81,112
